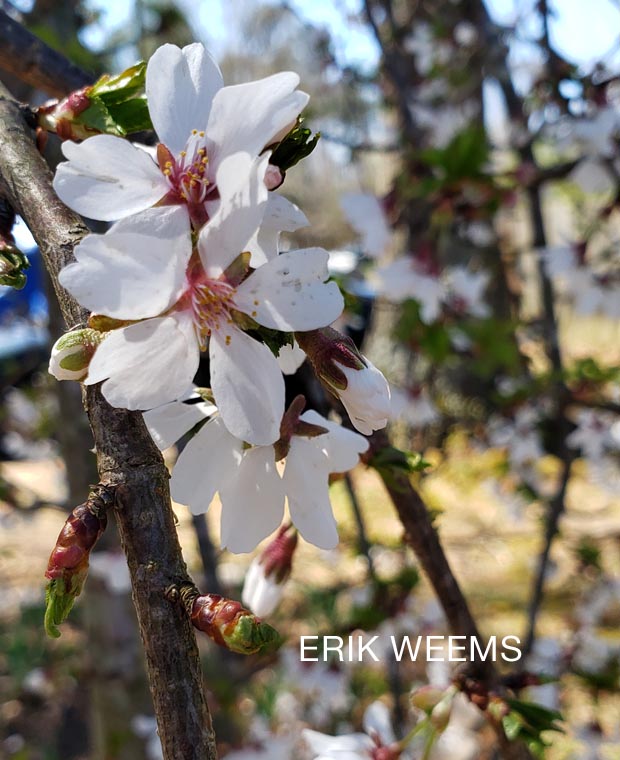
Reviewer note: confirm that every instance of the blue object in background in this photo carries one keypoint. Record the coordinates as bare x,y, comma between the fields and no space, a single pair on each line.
23,313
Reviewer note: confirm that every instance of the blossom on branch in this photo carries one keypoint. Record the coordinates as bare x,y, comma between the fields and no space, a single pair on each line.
250,486
210,136
177,302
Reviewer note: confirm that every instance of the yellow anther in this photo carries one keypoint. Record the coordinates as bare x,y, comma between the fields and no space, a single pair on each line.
228,340
194,131
183,153
202,134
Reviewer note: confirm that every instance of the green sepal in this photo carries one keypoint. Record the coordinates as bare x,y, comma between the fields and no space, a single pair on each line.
298,144
252,636
12,265
59,599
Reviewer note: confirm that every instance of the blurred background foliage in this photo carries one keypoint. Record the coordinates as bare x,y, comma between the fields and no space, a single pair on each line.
479,128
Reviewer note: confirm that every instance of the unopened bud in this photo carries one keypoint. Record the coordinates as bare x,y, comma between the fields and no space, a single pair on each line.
72,352
440,714
425,698
274,177
12,265
67,567
266,576
348,374
229,624
59,117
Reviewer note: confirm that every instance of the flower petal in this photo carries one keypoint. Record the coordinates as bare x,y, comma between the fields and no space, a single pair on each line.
246,117
243,199
305,479
377,721
290,358
146,364
208,460
107,178
290,293
135,270
341,446
280,216
365,214
169,422
252,501
180,86
358,745
248,386
260,593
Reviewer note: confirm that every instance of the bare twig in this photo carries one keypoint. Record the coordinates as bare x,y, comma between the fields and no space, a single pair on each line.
127,458
555,509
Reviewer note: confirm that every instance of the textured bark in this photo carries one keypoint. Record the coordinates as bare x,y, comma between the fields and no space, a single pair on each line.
33,62
126,457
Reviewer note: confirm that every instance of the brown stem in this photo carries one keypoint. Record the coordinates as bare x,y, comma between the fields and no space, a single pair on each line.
30,60
555,509
127,458
423,539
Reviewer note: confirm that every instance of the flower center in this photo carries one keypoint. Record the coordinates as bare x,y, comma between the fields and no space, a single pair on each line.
187,174
211,303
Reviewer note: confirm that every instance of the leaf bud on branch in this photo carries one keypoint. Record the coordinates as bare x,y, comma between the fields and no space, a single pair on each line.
227,622
68,563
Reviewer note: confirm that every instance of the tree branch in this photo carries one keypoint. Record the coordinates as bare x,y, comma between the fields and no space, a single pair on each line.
422,537
127,458
24,56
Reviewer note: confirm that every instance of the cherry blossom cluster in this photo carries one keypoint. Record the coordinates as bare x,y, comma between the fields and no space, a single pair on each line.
191,264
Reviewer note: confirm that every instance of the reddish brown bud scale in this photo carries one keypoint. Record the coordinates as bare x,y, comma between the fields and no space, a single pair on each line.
68,563
229,624
215,615
79,534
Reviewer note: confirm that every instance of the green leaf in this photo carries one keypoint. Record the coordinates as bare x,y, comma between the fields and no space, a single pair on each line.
392,463
132,115
98,117
118,105
58,604
298,144
122,87
273,339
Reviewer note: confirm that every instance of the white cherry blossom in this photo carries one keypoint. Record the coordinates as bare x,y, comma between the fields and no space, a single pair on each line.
403,279
261,592
378,733
251,488
365,214
185,305
415,407
466,291
203,127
